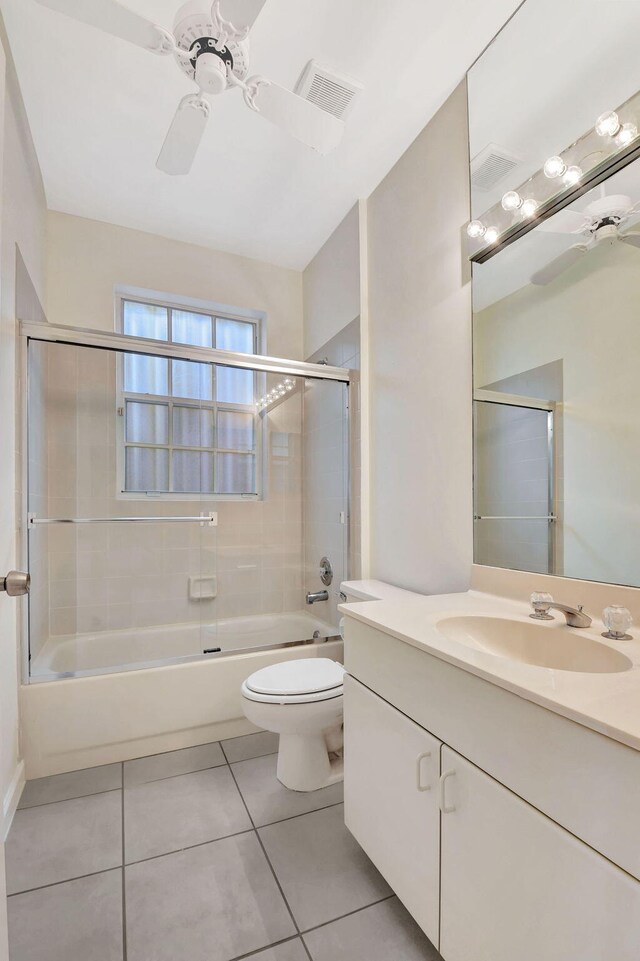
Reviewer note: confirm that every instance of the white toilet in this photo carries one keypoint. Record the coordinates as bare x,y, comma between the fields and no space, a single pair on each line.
301,701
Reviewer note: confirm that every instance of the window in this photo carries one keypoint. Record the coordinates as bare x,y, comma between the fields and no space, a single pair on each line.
188,428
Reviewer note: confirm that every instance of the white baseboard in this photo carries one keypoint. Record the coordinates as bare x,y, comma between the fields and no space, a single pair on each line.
11,799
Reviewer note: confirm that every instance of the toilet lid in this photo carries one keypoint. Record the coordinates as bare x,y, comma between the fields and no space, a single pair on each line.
309,675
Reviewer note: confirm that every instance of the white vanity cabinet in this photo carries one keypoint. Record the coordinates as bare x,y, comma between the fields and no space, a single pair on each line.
455,789
515,885
391,799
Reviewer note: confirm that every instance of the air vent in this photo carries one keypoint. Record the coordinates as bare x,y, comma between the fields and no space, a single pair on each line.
332,91
492,165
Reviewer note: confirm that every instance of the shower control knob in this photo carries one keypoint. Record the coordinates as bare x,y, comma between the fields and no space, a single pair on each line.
326,571
16,583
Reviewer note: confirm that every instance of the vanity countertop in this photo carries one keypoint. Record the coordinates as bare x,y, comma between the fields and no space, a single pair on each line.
608,703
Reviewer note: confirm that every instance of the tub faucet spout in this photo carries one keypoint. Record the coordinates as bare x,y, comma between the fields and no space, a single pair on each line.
313,596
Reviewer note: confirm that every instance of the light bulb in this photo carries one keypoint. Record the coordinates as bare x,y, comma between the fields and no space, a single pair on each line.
511,200
572,176
491,235
554,167
627,133
475,229
529,207
607,124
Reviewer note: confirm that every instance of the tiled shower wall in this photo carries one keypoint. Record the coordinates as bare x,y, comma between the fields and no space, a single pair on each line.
327,439
108,577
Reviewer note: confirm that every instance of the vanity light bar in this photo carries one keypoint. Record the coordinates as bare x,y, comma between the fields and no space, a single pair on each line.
620,137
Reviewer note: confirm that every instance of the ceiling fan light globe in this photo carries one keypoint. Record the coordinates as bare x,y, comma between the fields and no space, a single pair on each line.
211,74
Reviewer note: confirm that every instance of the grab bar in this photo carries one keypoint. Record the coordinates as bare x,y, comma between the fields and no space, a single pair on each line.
210,519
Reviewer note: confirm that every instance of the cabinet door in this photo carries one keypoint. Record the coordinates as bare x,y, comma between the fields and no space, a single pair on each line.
391,799
515,885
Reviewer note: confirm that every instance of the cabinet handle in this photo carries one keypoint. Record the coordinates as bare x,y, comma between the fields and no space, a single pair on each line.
419,760
444,807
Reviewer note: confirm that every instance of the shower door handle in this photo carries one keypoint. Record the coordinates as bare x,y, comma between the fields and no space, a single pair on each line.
16,583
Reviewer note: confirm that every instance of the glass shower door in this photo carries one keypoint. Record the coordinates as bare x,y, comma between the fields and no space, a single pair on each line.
179,508
122,536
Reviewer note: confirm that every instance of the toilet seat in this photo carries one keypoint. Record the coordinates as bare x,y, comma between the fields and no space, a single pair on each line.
296,682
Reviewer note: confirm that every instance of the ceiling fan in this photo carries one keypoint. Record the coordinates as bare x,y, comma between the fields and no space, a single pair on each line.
601,223
210,45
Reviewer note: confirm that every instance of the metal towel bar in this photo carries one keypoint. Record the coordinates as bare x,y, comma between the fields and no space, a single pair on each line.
210,519
515,517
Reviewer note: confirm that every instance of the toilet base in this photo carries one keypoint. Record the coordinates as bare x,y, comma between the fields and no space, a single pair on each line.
304,763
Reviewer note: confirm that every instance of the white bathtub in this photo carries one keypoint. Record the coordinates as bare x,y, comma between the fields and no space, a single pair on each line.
93,705
78,655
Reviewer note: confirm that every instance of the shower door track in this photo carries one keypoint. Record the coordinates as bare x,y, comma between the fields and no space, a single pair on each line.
106,340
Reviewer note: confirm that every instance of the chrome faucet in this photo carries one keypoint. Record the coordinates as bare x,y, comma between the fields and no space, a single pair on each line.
543,603
313,596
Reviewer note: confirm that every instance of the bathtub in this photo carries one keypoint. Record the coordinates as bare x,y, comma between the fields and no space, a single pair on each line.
93,705
79,655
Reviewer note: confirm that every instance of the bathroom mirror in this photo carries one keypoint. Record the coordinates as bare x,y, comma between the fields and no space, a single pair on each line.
556,316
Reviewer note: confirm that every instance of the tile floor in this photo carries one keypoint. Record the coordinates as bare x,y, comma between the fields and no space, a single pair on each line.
196,855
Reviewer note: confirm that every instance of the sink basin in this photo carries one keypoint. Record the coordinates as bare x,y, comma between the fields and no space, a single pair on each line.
550,646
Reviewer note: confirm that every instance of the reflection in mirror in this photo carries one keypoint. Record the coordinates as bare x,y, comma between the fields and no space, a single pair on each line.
557,392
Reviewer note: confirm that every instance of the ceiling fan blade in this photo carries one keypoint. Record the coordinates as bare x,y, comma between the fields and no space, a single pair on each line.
302,119
241,13
184,135
564,222
111,17
633,239
556,267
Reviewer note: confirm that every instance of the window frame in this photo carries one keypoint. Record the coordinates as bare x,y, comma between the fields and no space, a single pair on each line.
213,311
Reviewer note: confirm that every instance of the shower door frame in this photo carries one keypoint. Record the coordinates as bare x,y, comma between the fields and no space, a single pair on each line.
112,341
530,403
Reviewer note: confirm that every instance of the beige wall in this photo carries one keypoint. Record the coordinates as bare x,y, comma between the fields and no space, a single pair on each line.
331,285
87,260
588,319
420,362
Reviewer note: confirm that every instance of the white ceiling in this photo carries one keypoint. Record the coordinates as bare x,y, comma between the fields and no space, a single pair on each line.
99,109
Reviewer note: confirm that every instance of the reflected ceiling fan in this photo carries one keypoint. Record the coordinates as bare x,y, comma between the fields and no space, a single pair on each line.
602,222
210,44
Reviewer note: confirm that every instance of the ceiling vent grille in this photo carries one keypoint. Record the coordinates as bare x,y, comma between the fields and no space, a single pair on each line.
329,90
492,165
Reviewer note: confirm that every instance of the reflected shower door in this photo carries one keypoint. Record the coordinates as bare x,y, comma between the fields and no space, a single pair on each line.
514,486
